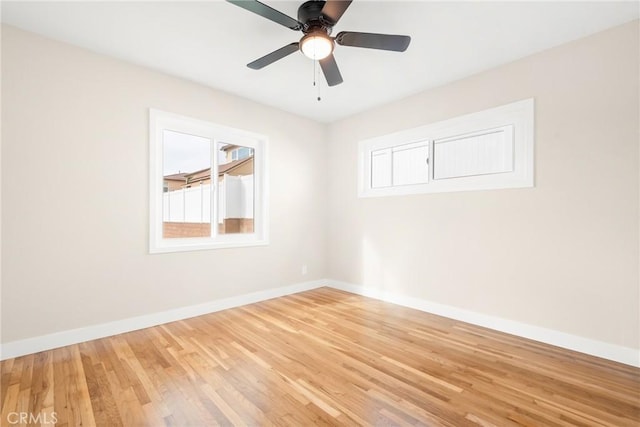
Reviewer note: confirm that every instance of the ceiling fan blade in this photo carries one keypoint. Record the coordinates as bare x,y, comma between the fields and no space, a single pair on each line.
333,9
268,12
273,56
330,70
374,41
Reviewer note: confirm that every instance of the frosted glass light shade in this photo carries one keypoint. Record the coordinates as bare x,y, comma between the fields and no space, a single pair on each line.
316,46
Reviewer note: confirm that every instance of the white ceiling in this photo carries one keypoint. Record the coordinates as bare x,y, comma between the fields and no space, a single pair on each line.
211,43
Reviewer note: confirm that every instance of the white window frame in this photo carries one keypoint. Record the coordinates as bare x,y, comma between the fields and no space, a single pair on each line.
160,121
518,114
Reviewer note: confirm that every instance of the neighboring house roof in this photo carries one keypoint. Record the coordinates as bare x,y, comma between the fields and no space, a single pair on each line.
229,147
193,176
187,176
175,177
232,165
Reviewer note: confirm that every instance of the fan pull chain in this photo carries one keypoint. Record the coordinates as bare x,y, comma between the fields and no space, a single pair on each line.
314,73
316,78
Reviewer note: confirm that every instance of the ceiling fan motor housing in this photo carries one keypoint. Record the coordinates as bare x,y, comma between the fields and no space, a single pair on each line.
310,14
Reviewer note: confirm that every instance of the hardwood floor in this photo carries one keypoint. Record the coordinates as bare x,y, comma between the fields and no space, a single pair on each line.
318,357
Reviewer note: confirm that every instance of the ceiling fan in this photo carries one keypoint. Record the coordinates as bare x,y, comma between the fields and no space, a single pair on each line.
316,19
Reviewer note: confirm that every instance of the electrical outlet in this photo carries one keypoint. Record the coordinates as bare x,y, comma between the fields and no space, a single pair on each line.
304,269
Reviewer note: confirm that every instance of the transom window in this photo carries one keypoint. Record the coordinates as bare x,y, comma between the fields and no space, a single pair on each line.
487,150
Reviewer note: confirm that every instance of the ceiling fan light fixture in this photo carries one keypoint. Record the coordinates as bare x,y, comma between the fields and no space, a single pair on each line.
316,19
316,45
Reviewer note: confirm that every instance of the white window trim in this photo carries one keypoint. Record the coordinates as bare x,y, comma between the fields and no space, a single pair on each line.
520,114
161,120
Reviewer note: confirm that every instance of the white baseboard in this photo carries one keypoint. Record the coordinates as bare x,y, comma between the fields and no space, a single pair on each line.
74,336
626,355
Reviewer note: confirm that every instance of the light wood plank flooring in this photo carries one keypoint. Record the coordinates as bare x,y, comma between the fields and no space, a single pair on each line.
319,357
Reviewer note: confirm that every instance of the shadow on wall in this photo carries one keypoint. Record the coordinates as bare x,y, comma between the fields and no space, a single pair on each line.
375,269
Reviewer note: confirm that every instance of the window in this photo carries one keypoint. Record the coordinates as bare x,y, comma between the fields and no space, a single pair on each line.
240,153
479,153
404,164
486,150
207,185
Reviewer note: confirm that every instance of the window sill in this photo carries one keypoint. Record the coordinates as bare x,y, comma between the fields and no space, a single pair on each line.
204,245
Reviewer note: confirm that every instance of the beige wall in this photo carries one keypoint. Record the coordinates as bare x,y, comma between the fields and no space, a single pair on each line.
77,255
563,255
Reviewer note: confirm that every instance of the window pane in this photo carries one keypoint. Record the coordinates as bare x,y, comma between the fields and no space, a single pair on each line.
235,189
410,164
381,168
483,153
244,152
186,204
